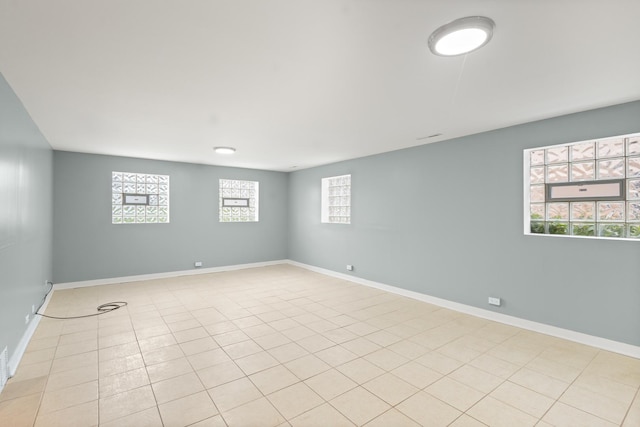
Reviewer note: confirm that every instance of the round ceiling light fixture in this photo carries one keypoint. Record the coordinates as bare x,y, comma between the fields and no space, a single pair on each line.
224,150
461,36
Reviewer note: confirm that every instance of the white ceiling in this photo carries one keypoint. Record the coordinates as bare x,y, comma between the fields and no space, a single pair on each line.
299,83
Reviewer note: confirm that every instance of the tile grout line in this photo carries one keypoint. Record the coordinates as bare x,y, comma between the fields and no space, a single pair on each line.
382,311
635,397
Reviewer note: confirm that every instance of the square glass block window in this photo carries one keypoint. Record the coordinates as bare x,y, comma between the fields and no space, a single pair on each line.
633,189
611,168
537,175
633,167
336,200
536,157
558,173
585,162
537,193
558,154
231,191
583,151
138,198
537,211
633,146
613,147
611,211
633,212
583,211
582,229
583,171
557,211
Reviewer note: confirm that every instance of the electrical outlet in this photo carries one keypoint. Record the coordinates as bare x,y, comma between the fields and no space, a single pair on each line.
33,309
494,301
26,319
349,267
198,263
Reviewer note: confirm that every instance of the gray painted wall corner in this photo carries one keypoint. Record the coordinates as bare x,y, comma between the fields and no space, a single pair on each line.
446,220
26,178
88,246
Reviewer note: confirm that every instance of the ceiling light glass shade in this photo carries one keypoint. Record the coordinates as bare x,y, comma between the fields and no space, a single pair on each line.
461,36
224,150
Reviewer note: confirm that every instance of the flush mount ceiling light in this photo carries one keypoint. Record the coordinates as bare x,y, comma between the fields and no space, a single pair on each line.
224,150
461,36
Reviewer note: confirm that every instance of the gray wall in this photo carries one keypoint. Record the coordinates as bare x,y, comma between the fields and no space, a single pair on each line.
446,220
25,216
87,246
443,219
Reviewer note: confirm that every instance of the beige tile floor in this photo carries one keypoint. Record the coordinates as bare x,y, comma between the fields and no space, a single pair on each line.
282,346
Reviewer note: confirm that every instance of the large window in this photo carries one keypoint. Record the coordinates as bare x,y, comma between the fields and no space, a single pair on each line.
587,188
138,198
238,200
336,200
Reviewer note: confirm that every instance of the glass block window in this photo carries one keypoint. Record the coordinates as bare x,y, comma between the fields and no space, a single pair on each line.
138,198
238,200
616,158
336,200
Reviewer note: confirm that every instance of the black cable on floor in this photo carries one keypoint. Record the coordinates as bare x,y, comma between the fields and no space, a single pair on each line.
101,309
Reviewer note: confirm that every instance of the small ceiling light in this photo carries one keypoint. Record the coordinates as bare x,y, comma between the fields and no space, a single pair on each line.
461,36
224,150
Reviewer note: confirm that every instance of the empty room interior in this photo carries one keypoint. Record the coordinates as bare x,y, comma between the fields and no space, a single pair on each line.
319,213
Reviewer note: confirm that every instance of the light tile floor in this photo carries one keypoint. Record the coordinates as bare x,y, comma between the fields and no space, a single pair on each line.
283,346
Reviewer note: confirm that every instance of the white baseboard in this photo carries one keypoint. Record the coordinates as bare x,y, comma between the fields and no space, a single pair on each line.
579,337
142,277
594,341
16,356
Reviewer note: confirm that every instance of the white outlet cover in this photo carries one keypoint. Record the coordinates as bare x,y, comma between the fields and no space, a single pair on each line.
494,301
